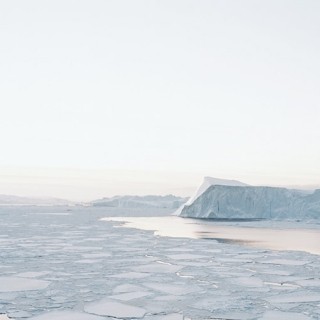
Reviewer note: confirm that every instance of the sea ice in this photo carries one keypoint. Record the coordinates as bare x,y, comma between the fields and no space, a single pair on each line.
173,289
286,262
11,284
278,315
88,261
66,315
19,314
127,288
157,268
309,283
32,274
130,295
186,256
171,316
96,255
114,309
295,297
130,275
160,276
52,213
248,282
235,315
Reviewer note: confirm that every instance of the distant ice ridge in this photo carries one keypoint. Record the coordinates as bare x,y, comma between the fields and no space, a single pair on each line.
251,202
150,201
17,200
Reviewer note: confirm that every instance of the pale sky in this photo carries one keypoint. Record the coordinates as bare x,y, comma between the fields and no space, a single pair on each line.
136,97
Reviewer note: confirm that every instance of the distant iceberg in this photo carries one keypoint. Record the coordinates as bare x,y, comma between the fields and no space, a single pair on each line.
231,201
8,200
150,201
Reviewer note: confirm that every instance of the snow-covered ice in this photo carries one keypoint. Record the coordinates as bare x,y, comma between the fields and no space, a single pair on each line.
133,273
66,315
9,284
278,315
130,295
114,309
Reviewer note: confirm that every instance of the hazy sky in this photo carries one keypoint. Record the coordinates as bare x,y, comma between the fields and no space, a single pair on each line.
102,97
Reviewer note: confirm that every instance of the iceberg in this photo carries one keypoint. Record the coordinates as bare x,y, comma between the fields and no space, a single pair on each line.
208,182
219,201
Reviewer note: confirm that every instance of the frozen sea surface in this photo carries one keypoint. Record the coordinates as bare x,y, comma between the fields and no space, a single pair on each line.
75,266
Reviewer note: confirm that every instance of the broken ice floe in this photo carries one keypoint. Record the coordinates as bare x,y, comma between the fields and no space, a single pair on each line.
149,277
66,315
9,284
114,309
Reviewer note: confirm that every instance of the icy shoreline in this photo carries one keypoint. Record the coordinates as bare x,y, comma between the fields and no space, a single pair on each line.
90,269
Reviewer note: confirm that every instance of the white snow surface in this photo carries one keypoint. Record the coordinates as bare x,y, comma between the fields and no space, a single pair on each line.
248,202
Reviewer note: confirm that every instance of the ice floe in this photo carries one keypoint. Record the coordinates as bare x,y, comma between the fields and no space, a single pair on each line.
114,309
9,284
66,315
278,315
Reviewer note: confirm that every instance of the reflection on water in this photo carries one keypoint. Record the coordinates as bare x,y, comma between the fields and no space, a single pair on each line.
269,238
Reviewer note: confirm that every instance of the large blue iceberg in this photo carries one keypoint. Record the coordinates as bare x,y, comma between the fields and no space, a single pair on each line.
252,202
